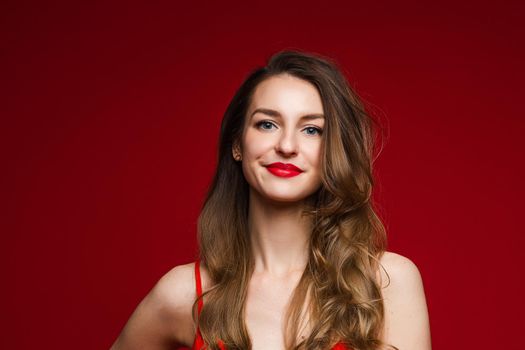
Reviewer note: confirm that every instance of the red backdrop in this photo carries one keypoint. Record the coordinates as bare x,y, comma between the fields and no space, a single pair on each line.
102,103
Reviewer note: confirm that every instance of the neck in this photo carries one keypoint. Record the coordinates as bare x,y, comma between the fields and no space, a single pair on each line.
279,236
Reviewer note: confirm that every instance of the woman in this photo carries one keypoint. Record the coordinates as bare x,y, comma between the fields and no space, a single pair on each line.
292,254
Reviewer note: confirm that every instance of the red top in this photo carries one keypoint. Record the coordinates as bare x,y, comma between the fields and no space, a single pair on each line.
198,343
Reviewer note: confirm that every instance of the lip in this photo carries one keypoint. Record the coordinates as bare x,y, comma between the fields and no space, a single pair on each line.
283,170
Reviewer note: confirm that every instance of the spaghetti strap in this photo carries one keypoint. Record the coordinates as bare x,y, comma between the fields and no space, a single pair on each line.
198,342
198,286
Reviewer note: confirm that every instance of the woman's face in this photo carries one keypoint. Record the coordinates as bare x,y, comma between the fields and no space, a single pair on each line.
283,128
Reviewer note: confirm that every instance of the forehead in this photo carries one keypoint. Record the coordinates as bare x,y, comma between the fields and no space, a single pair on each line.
287,94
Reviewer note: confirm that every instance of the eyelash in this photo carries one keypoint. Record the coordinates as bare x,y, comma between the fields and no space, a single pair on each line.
260,123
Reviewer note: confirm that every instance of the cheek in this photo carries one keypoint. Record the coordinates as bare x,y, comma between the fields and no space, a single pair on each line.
314,154
255,146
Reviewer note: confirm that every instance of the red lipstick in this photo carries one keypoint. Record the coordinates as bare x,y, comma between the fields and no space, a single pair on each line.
283,170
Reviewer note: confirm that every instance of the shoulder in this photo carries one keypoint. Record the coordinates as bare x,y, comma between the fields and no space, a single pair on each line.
176,287
164,316
397,270
400,279
174,293
406,315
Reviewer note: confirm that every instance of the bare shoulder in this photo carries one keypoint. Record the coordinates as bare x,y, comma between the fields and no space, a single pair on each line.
397,270
406,315
176,288
164,317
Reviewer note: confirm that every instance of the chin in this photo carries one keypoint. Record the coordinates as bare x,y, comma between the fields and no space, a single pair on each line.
287,197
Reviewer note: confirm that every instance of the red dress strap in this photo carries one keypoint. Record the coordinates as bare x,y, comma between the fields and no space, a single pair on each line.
198,343
198,285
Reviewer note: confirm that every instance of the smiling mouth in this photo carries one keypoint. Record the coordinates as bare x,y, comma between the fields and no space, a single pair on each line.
283,170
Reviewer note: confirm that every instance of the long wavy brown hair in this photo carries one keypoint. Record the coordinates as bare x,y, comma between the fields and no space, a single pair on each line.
339,291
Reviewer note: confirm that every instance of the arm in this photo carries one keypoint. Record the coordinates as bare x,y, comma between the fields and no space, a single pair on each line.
163,318
406,316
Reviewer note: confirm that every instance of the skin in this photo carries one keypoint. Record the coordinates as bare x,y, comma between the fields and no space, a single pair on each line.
163,319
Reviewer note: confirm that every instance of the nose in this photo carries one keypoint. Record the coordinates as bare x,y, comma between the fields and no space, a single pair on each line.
287,144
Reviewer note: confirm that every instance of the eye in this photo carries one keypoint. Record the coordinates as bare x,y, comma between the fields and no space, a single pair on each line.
314,130
264,124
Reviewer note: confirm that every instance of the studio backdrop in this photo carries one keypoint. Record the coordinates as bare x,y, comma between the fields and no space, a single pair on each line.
110,115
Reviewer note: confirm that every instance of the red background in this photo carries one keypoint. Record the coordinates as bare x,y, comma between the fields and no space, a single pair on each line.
102,104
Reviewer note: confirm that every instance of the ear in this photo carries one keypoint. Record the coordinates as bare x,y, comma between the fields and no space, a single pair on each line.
236,150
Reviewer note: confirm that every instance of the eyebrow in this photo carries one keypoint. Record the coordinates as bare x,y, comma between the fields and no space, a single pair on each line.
274,113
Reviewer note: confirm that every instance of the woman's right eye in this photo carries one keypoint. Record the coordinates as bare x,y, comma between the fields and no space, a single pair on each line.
264,124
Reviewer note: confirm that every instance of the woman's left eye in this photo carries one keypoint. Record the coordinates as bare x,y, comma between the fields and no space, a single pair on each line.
314,130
